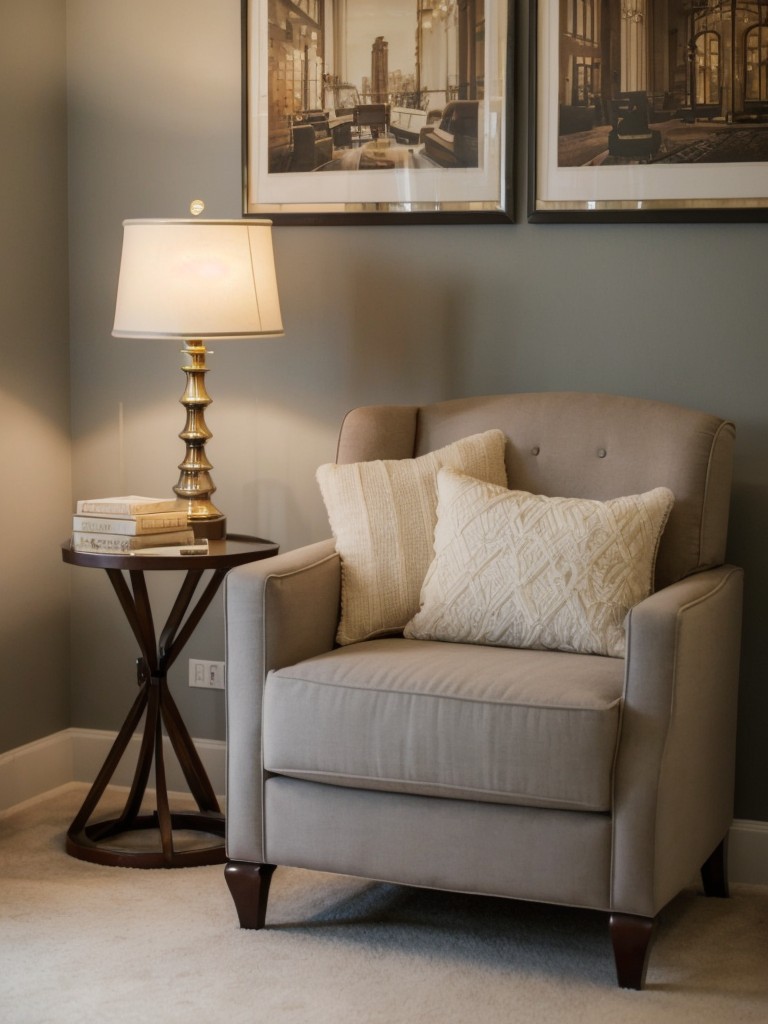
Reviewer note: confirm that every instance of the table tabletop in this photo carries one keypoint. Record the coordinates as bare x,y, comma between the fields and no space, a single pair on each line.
235,549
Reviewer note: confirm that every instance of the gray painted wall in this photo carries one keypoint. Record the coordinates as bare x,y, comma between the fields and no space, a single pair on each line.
34,385
387,314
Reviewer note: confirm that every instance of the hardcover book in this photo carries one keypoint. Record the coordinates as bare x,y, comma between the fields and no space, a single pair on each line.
146,522
111,543
128,505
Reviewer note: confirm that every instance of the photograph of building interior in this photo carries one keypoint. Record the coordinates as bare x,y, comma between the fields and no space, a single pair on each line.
359,85
663,81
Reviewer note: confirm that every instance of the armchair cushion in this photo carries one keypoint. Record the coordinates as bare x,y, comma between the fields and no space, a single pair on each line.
523,570
382,515
529,728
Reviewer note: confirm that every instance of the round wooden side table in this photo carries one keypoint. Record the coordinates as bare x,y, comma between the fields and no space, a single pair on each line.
94,841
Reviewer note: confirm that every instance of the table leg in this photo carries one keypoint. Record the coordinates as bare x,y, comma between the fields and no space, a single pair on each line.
143,764
194,772
108,768
164,819
92,842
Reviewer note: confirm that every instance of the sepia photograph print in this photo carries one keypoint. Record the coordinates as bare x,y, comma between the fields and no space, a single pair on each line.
377,110
649,109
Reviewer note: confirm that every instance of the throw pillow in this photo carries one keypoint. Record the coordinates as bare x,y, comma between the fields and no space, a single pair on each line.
382,515
514,569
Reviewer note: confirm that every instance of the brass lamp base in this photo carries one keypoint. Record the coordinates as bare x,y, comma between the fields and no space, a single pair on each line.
214,528
195,485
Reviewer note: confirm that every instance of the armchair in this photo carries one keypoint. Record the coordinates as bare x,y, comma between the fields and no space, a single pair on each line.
593,781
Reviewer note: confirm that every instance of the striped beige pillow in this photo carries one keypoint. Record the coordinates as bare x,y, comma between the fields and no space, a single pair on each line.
383,516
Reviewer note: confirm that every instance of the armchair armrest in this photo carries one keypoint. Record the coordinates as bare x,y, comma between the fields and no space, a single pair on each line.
281,610
674,776
277,611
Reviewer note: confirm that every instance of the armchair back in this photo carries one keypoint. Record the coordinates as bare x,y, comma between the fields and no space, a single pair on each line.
575,444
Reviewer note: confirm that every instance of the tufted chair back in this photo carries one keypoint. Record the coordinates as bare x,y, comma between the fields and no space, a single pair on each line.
581,445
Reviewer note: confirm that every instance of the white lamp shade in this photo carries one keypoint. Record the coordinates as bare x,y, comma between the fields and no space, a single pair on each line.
190,279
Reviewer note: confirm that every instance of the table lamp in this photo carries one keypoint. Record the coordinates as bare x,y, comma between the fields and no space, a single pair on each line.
192,281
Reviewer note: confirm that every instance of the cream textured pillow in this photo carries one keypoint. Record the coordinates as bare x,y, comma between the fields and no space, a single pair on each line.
383,518
514,569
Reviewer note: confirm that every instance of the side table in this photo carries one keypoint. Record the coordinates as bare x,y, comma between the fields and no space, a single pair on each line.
93,841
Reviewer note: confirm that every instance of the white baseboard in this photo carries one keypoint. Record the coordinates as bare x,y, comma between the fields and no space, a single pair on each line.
35,768
75,755
748,852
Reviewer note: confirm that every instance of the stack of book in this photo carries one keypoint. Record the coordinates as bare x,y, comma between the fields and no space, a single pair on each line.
129,523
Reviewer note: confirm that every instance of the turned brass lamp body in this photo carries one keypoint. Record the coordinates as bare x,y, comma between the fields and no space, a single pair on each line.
196,485
192,281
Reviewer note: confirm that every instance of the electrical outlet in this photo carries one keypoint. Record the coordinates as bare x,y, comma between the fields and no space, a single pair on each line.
209,675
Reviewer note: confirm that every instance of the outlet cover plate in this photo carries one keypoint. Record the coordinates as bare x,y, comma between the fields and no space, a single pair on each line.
207,675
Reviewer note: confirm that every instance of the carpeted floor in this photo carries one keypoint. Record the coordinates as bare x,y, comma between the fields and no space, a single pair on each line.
79,942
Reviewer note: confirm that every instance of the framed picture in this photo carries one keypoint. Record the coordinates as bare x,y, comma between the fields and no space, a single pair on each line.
649,110
377,111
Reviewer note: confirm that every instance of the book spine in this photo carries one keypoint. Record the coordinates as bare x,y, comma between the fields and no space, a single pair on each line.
117,544
132,526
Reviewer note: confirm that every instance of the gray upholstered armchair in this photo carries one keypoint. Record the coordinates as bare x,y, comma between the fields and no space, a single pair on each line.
601,781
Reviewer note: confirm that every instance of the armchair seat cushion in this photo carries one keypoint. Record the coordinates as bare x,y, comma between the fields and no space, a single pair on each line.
524,727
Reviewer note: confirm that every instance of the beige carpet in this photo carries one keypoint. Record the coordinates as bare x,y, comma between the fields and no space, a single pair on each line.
79,942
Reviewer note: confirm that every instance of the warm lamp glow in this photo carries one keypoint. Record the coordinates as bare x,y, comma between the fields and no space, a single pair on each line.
194,280
197,279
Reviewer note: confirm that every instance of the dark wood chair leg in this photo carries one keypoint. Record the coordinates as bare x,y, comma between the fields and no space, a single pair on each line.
714,872
249,888
631,938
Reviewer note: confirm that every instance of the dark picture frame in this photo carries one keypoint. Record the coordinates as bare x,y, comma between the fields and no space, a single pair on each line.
378,111
648,110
